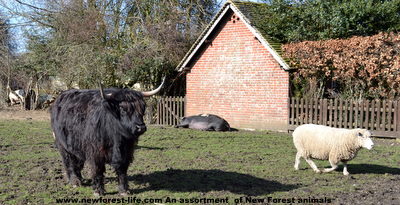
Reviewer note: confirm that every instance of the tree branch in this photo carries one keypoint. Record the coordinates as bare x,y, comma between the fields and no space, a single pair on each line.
34,7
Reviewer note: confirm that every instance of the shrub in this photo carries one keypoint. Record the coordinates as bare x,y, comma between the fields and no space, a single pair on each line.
357,67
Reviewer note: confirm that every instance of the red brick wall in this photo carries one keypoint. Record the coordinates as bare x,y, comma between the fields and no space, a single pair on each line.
236,78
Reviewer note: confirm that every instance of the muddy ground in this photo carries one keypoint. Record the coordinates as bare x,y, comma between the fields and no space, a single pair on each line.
16,113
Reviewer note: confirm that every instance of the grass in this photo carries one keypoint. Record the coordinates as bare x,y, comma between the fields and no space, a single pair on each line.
182,163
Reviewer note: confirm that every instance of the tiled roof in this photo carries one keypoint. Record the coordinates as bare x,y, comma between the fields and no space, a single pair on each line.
254,12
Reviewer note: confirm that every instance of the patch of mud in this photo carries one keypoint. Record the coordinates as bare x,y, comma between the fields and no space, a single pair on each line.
382,191
387,141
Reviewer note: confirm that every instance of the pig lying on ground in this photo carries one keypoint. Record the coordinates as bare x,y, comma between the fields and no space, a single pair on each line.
206,122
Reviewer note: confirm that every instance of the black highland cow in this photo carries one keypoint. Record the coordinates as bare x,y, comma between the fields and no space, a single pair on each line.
98,127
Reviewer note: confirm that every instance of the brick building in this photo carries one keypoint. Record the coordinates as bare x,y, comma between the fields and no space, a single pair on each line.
235,71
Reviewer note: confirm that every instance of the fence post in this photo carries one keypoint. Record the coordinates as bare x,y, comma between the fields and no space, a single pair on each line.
158,111
383,115
173,111
397,115
330,106
351,114
297,111
372,114
340,113
179,109
149,114
291,111
356,115
324,110
346,112
378,115
335,117
306,109
389,115
302,110
315,101
165,103
361,108
321,112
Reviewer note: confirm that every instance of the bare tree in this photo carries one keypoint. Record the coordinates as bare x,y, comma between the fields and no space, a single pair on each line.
6,59
121,42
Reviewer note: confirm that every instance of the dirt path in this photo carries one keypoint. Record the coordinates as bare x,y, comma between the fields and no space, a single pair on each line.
15,113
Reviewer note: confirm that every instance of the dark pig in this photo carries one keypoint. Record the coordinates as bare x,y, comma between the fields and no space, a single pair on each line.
206,122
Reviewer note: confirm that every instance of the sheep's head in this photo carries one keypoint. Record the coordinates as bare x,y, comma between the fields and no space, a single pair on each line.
364,138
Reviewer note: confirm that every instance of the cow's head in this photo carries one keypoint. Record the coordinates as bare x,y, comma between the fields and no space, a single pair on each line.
129,107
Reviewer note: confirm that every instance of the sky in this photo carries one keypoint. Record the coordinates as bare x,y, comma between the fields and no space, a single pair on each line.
19,22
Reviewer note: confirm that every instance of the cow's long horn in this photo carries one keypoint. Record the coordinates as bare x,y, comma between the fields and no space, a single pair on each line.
153,92
101,90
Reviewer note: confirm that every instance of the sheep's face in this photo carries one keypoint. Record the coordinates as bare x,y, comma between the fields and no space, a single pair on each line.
364,138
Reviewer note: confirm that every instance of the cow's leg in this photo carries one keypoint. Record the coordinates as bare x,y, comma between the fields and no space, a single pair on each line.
76,175
121,171
73,167
66,158
98,169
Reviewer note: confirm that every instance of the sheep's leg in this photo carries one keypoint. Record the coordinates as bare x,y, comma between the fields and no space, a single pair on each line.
345,172
312,164
333,164
297,161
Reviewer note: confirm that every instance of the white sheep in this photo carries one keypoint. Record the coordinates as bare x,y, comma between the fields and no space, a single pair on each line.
328,143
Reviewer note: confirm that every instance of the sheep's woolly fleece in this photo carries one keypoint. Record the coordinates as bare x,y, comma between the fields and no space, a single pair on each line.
322,142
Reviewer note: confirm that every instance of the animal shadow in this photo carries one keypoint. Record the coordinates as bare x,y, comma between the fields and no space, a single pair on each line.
149,148
207,180
25,144
372,169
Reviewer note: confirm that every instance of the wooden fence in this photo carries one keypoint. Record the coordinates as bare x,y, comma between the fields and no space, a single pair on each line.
165,110
381,117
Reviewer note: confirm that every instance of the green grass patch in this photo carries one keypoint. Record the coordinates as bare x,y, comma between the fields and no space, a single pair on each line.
183,164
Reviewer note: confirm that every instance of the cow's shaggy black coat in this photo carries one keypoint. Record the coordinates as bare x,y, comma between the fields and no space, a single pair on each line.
91,129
